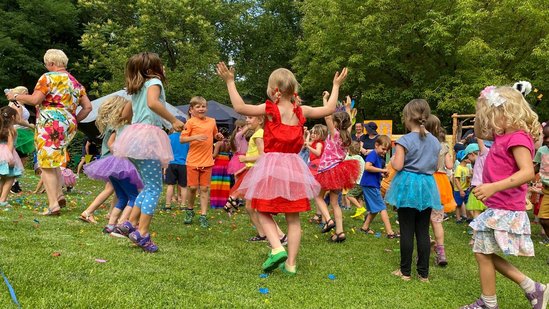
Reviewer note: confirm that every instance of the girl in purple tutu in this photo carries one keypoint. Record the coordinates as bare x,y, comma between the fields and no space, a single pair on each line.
144,142
111,120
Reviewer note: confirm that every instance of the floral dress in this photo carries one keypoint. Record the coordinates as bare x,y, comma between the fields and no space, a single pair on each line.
56,121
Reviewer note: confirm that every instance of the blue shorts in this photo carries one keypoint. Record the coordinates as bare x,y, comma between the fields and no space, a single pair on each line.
373,199
461,200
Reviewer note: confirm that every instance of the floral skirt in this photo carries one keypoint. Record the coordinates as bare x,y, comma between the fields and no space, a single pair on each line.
55,128
505,231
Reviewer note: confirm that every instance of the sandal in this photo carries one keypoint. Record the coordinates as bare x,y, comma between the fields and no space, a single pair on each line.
50,212
398,273
368,231
231,206
330,224
86,217
339,237
62,201
317,218
393,236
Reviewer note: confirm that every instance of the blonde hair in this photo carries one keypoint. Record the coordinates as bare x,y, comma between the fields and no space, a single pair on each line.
416,112
283,84
57,57
514,113
354,149
197,100
384,141
20,90
109,113
320,130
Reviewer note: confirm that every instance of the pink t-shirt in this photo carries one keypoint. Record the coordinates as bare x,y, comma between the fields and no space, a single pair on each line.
333,152
500,164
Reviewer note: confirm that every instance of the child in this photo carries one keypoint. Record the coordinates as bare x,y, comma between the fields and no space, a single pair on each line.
10,163
503,115
542,163
355,194
318,135
176,173
120,172
199,132
444,189
144,142
221,179
334,173
281,182
239,145
413,189
462,186
370,183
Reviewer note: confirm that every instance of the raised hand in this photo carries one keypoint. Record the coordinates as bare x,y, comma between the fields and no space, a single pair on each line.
227,74
178,125
339,78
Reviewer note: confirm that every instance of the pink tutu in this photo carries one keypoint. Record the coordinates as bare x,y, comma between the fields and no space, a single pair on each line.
279,175
235,165
144,142
69,179
10,163
111,166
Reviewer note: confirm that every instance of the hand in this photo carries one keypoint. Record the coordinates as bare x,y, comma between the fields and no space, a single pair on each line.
242,158
178,125
200,137
484,191
384,171
10,96
347,103
219,136
339,78
462,193
227,74
325,95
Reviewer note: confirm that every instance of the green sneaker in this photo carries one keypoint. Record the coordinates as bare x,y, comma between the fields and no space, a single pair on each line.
285,271
273,261
189,215
203,221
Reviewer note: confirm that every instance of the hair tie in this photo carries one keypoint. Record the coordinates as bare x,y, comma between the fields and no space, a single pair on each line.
5,114
494,99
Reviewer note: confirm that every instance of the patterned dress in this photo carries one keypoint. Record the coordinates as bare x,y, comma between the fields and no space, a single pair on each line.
56,122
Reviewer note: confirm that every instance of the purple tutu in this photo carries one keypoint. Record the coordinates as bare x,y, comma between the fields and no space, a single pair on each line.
111,166
144,142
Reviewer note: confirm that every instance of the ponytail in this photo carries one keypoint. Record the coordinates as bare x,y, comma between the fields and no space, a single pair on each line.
422,132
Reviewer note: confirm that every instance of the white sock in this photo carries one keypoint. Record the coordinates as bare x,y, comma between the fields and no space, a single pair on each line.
490,301
528,285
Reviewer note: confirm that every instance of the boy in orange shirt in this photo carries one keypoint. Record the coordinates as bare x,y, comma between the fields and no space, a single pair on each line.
199,132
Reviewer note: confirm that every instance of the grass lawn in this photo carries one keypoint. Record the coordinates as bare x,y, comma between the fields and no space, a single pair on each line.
216,267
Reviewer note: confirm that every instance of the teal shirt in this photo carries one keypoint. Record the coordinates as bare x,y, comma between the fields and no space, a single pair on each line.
105,151
141,112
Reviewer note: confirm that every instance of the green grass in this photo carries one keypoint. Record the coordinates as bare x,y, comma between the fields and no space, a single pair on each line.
216,267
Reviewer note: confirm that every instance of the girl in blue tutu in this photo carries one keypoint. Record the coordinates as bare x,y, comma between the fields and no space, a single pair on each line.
111,120
506,118
413,190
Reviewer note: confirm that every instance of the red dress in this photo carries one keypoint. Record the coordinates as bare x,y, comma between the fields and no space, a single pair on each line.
280,181
313,159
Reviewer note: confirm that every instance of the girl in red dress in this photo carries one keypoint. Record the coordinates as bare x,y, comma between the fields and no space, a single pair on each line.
281,182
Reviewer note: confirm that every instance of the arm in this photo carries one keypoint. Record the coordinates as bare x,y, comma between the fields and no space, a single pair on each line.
523,175
457,184
316,151
481,146
236,100
86,108
11,139
448,161
330,125
216,149
111,140
330,106
33,99
87,147
153,102
127,112
398,159
369,167
260,146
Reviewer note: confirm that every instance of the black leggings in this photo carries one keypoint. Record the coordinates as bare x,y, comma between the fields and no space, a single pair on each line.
414,222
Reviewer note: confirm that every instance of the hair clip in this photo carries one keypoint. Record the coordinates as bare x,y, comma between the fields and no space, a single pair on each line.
493,98
5,114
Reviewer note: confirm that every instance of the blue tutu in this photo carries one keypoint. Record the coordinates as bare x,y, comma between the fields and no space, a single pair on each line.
413,190
111,166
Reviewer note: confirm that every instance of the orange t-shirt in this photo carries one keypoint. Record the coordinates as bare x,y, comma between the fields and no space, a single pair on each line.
200,152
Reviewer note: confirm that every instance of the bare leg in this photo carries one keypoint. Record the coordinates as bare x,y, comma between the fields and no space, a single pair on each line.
386,222
438,230
254,217
80,165
169,195
135,215
368,220
144,223
204,200
114,216
191,195
338,214
100,199
294,237
487,273
6,183
270,229
321,206
354,201
183,195
51,183
507,269
125,215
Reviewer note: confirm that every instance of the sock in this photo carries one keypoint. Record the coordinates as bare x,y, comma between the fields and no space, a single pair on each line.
277,250
490,301
528,285
290,268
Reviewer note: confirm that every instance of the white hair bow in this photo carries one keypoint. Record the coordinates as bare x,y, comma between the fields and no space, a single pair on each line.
493,98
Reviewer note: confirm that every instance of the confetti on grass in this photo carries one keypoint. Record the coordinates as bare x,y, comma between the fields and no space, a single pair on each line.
331,276
100,261
264,291
263,276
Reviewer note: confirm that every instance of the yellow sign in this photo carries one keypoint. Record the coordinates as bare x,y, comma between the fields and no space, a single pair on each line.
384,127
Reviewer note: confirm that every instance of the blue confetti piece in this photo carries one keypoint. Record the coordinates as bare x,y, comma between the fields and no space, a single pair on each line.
11,290
331,276
264,291
36,221
378,234
263,276
352,103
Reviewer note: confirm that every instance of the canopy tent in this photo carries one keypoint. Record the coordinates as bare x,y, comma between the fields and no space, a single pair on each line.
87,126
224,116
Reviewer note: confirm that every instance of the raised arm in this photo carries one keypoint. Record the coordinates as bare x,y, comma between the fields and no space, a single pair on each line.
236,100
330,106
153,102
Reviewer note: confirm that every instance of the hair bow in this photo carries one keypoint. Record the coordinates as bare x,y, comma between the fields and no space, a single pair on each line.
493,98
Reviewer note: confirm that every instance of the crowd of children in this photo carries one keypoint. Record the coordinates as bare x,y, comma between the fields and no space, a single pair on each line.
278,166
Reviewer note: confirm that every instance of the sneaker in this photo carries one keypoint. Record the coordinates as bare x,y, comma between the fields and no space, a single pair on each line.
460,221
478,304
123,230
446,217
273,261
284,240
283,269
144,243
109,228
203,221
189,215
538,298
440,258
258,238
